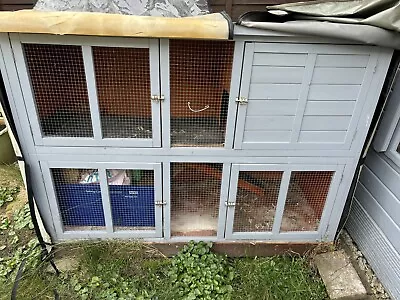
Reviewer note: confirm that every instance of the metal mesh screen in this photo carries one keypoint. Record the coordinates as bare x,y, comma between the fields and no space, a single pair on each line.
305,200
132,199
59,86
195,196
79,199
256,199
123,90
200,74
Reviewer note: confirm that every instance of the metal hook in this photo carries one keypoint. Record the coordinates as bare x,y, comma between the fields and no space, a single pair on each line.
198,110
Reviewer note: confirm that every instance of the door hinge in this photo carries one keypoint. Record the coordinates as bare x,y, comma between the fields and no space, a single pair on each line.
229,203
242,100
157,98
160,203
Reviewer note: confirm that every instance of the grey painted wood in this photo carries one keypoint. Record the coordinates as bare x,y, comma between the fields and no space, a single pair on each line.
280,206
381,255
269,123
278,59
233,94
344,60
224,196
92,92
166,104
325,123
333,75
245,91
267,136
281,74
333,92
105,197
329,108
274,91
302,101
390,118
322,136
272,107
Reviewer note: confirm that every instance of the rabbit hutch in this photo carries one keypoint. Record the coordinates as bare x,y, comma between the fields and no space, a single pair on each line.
254,138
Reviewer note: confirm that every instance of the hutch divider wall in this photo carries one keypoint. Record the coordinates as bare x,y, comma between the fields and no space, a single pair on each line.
172,140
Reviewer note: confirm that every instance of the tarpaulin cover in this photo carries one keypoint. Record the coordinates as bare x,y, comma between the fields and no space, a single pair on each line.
162,8
367,21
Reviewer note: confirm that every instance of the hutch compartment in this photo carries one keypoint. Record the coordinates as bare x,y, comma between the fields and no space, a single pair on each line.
171,140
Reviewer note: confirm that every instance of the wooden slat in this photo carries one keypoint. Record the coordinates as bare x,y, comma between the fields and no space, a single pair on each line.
277,59
342,60
333,92
322,136
329,108
338,75
266,136
325,123
267,74
269,123
271,107
274,91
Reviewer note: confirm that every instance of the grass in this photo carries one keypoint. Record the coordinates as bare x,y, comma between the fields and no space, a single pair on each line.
130,270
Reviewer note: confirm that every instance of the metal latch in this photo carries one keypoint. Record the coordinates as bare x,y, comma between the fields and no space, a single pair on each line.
229,203
242,100
160,203
157,98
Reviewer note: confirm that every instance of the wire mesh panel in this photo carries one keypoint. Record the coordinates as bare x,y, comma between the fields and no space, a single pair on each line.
256,199
195,196
132,199
200,74
59,88
305,200
79,198
123,90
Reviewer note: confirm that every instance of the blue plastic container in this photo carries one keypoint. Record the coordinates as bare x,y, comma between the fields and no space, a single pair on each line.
81,205
132,205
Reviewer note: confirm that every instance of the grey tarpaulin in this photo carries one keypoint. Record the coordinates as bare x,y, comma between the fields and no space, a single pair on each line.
374,22
162,8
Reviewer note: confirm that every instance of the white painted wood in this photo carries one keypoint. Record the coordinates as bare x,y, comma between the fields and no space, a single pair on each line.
271,107
267,136
277,59
158,197
322,136
325,75
329,108
166,175
267,74
326,92
325,122
274,91
342,60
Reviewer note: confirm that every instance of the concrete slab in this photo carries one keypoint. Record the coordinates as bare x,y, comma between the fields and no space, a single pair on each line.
341,279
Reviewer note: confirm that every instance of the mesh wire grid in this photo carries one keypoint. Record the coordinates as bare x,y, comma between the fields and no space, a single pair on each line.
59,87
132,199
123,90
305,200
195,196
80,204
256,200
200,74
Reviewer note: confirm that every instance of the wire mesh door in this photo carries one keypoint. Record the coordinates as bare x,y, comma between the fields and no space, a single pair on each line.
91,92
266,201
105,199
199,81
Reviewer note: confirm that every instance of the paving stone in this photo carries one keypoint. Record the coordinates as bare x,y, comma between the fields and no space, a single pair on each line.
341,279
